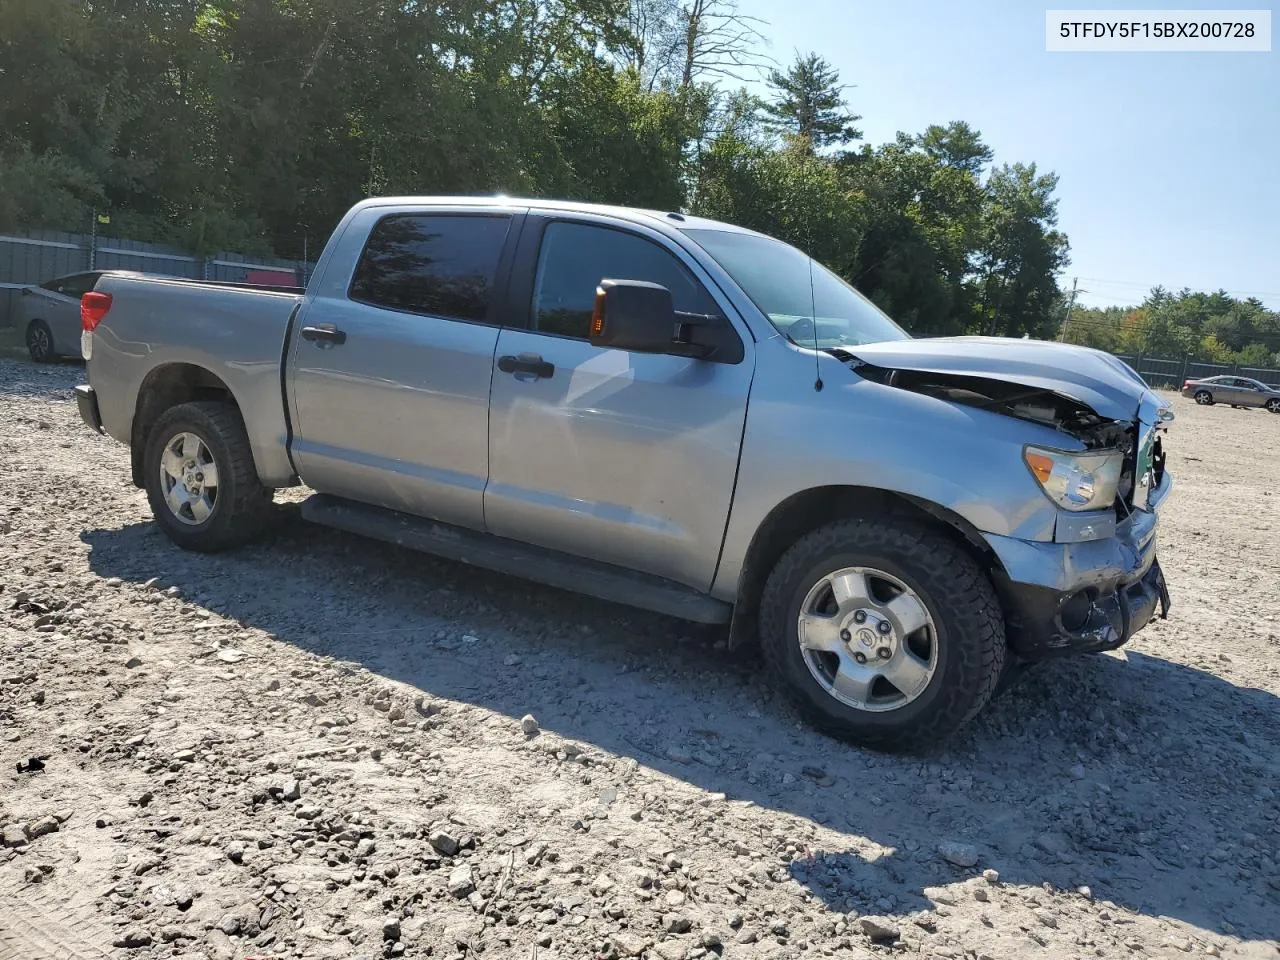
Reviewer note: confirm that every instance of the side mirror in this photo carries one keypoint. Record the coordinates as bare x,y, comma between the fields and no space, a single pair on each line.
639,316
633,315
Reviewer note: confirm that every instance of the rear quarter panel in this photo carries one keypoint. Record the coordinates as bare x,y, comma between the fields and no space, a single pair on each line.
237,335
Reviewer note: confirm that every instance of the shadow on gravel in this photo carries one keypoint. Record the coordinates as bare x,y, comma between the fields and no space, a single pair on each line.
1147,781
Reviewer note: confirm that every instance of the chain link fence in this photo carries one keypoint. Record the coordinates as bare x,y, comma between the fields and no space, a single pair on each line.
1170,373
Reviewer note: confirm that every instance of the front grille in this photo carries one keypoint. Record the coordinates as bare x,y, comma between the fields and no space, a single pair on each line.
1157,462
1124,491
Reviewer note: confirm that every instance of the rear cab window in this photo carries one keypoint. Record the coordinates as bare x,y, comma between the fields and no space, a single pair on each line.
80,284
75,285
440,265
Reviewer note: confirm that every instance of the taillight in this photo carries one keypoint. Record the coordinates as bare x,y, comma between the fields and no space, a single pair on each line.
1185,384
93,307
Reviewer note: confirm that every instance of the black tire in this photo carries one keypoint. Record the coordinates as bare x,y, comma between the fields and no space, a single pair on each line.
958,595
1204,398
1274,405
1015,670
241,506
40,342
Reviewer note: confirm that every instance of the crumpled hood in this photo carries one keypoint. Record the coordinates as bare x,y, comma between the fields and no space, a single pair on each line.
1107,385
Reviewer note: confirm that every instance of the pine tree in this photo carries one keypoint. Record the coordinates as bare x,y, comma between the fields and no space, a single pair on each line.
809,103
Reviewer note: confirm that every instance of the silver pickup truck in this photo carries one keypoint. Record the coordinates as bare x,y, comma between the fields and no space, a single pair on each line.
666,412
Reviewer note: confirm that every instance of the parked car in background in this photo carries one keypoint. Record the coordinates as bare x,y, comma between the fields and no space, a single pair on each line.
1237,391
51,315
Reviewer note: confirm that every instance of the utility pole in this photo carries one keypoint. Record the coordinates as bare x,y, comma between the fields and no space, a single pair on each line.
1075,283
95,218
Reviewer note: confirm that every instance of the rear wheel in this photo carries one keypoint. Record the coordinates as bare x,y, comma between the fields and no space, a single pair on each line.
887,634
201,480
1204,398
40,342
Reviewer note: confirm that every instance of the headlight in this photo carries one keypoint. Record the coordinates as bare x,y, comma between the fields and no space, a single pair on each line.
1076,481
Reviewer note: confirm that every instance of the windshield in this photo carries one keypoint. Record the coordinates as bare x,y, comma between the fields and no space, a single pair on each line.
777,279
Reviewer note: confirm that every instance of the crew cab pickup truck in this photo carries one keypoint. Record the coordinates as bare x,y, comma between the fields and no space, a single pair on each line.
667,412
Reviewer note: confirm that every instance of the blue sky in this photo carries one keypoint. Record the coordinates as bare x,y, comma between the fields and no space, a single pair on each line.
1169,162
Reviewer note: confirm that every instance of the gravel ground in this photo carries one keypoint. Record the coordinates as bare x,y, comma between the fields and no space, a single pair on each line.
324,747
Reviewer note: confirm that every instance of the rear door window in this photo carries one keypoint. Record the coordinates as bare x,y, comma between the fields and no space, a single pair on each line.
440,265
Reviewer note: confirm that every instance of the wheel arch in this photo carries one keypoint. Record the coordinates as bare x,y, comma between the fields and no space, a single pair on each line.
810,509
164,387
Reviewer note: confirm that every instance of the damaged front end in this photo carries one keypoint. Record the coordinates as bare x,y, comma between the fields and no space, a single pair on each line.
1098,582
1142,469
1036,404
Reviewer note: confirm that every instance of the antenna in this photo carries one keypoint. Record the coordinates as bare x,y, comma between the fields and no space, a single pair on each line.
813,316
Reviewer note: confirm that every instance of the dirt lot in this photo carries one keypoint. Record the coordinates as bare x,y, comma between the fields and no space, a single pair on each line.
313,748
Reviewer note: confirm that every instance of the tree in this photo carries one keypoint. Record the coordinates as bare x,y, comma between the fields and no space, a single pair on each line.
809,103
956,145
1021,253
1201,326
253,124
682,43
790,194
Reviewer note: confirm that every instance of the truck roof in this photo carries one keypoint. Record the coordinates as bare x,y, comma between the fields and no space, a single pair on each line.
673,219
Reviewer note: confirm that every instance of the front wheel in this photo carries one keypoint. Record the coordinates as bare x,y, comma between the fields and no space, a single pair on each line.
1274,405
886,634
201,480
1204,398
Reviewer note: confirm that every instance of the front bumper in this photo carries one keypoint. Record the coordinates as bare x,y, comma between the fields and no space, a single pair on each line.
87,402
1084,597
1044,623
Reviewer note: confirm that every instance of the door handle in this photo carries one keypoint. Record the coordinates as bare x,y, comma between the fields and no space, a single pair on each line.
527,363
324,333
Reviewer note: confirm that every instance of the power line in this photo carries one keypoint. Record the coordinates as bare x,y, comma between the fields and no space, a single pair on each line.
1137,285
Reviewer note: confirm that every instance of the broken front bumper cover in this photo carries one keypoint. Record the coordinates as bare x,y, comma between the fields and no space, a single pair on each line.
1082,597
1044,623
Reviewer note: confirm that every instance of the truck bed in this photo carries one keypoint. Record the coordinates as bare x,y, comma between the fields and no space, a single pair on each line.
158,329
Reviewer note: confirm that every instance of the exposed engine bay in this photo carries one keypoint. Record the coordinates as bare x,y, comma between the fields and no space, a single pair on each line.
1041,405
1036,404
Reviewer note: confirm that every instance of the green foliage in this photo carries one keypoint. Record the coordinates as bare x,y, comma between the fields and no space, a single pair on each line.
254,124
1212,327
44,189
956,145
809,103
1020,253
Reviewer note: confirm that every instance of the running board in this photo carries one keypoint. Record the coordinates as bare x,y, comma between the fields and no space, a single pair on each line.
600,580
